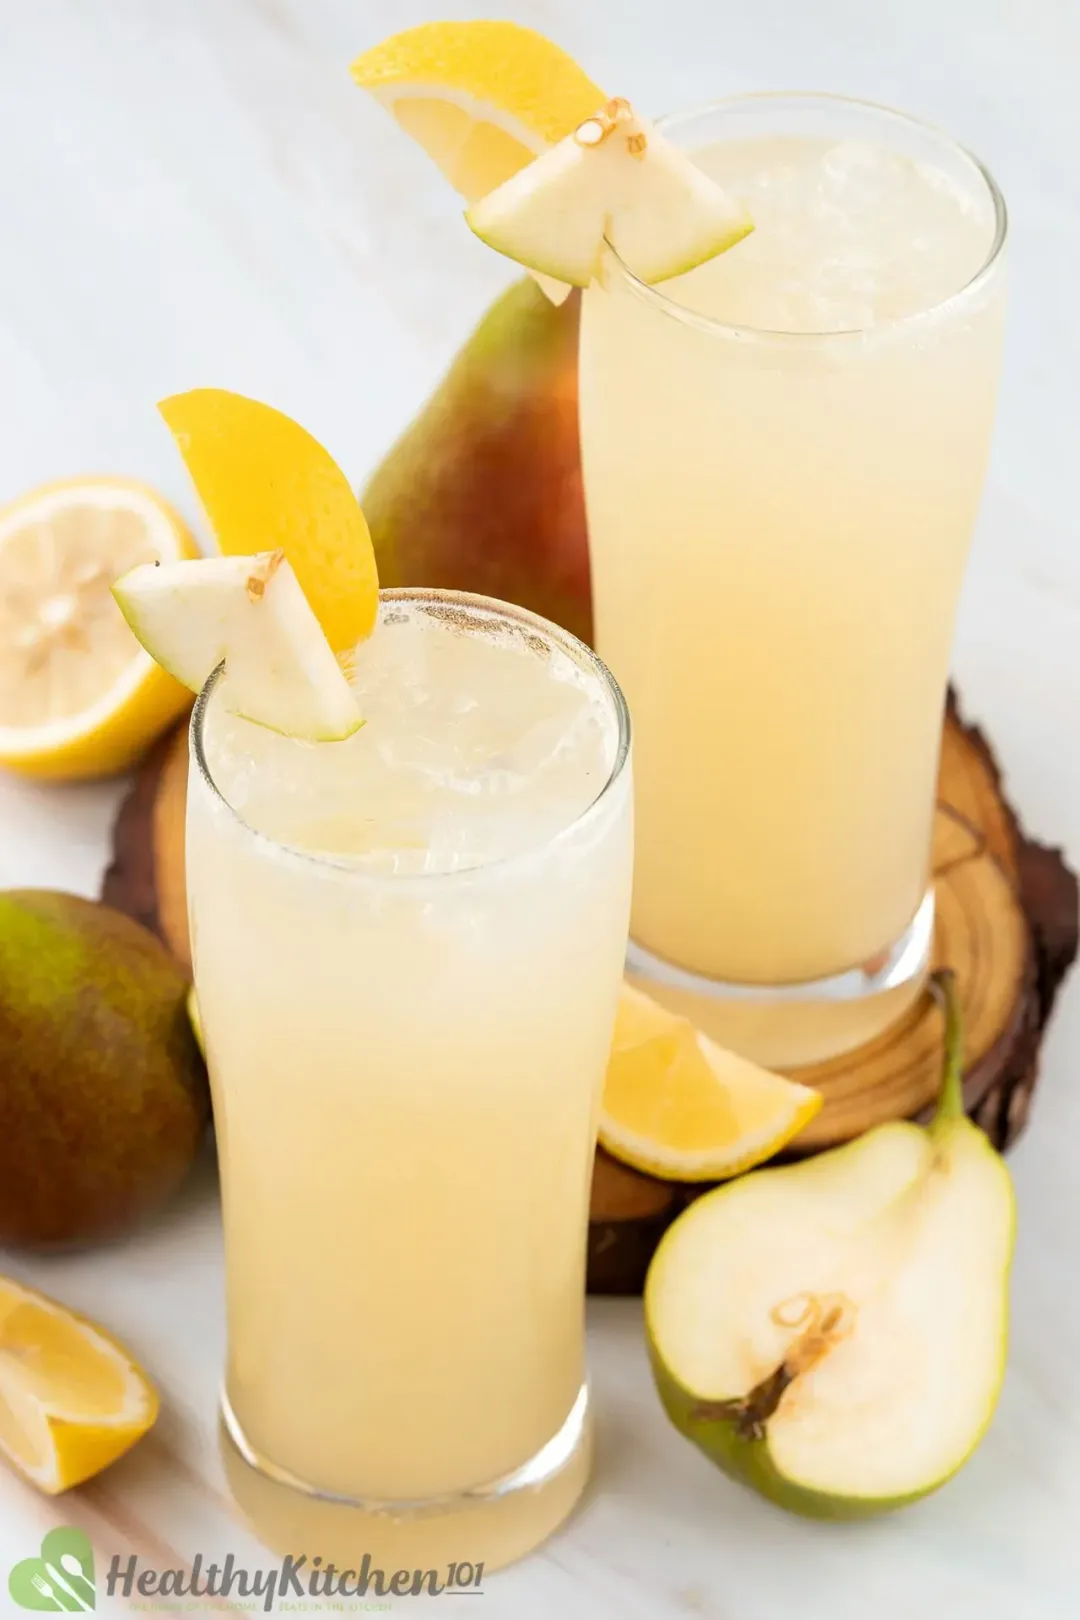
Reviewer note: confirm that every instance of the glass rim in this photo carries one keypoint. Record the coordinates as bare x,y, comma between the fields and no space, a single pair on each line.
571,645
655,295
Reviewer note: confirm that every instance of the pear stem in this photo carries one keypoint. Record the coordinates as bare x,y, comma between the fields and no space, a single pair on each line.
950,1105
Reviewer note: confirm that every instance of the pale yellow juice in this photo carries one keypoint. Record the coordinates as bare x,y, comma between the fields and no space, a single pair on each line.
408,948
783,456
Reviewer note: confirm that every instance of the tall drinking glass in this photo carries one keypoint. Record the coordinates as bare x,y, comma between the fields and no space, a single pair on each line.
783,454
408,948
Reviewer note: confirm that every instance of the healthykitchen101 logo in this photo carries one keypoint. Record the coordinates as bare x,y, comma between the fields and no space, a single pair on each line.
62,1579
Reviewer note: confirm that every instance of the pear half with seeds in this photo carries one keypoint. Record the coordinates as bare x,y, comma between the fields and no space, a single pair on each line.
833,1333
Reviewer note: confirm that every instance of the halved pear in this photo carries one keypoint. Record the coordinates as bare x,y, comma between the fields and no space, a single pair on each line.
615,178
833,1333
250,614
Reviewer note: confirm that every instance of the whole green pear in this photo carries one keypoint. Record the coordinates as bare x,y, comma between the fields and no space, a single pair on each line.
103,1095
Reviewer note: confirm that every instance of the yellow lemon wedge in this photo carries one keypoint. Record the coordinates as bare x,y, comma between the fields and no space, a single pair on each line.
678,1106
268,486
482,98
78,696
71,1398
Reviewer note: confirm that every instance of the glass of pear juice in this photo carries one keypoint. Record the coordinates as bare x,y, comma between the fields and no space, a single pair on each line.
783,453
408,949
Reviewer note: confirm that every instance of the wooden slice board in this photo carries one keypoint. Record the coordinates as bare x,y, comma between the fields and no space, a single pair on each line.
1007,913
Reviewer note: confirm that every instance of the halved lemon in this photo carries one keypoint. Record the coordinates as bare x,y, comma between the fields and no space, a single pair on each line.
72,1400
267,485
482,98
680,1107
78,696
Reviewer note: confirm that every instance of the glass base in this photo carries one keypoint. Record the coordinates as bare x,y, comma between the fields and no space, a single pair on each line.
787,1026
489,1525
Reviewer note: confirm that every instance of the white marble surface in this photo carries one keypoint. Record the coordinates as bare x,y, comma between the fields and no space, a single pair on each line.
194,193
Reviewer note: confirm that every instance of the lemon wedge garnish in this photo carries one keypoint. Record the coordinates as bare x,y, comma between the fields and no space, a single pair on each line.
482,98
268,486
71,1398
680,1107
78,696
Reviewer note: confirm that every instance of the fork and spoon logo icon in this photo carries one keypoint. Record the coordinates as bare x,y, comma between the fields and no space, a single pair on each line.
61,1578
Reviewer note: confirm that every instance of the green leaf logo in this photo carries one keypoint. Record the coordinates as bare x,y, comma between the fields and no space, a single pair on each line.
61,1578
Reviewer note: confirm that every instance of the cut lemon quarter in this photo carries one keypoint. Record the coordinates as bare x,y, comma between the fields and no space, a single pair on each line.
614,178
250,614
482,98
71,1398
78,696
680,1107
267,485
